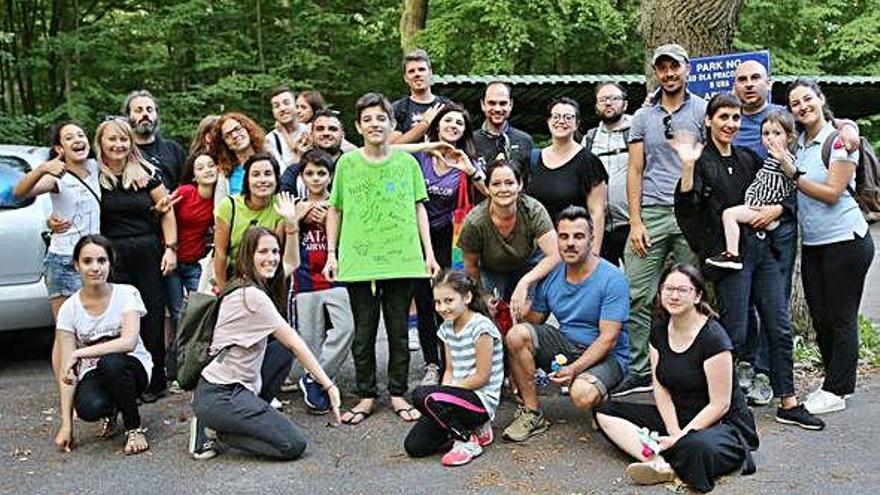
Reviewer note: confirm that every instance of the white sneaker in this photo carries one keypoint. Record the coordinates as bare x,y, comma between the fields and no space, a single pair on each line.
414,339
276,404
823,402
432,375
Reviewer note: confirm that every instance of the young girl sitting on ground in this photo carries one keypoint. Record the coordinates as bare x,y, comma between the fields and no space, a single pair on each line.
770,187
462,407
105,366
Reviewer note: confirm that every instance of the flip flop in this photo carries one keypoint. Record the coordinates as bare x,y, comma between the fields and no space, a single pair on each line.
353,420
409,412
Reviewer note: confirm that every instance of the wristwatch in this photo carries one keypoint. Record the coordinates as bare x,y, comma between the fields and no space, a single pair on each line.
797,174
172,246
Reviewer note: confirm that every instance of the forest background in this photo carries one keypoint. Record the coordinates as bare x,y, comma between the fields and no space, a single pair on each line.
78,58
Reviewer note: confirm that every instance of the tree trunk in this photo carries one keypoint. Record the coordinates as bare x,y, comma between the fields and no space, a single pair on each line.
412,20
702,27
260,36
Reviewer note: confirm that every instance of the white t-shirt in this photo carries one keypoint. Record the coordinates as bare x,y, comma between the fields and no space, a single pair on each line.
277,145
89,329
75,203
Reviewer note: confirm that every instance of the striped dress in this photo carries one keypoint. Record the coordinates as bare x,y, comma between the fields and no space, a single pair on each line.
770,186
462,348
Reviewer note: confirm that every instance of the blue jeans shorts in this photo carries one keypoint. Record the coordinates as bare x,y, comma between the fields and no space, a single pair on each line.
62,280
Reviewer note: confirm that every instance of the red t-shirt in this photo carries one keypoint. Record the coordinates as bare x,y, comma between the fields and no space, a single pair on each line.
195,215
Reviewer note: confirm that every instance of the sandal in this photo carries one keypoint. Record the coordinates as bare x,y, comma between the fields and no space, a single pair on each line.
136,441
412,414
356,418
109,427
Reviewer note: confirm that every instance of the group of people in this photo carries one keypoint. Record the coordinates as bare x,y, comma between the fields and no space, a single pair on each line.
590,259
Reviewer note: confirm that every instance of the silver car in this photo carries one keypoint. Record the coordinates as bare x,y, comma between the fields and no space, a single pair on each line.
24,301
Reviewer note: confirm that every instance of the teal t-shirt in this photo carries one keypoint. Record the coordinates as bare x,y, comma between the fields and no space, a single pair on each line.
379,235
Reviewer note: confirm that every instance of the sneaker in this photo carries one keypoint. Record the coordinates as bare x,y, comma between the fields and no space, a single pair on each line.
726,260
201,447
314,395
289,385
175,389
414,339
484,433
799,416
745,374
432,375
149,397
632,384
462,452
527,424
823,402
760,393
650,473
276,404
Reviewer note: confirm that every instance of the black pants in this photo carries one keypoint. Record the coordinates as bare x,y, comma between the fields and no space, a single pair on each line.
613,243
114,385
393,297
138,261
834,277
701,455
447,413
428,321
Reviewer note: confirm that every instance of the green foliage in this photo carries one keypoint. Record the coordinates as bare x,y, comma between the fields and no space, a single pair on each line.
806,352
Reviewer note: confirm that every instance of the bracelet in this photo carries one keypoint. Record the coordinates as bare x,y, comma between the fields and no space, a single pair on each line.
327,389
172,246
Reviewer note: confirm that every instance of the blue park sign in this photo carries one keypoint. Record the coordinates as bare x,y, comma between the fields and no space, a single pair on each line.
712,75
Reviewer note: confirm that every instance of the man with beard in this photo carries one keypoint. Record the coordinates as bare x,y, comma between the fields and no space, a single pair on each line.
327,135
142,111
590,300
286,140
654,169
414,113
608,141
497,139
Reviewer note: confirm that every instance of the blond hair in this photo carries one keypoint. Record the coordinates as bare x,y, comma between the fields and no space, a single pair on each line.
137,170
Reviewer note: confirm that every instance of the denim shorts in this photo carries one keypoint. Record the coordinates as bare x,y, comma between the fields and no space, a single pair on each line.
62,280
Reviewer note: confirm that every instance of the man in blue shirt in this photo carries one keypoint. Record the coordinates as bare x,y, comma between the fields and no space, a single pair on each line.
590,298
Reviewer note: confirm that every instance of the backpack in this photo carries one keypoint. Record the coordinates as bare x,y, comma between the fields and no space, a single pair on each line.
867,192
590,136
195,331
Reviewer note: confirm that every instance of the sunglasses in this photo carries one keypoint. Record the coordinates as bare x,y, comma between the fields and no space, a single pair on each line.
667,127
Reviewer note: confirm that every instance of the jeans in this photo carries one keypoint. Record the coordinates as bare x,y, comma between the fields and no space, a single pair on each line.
784,239
834,278
393,297
644,278
114,385
761,279
185,276
138,261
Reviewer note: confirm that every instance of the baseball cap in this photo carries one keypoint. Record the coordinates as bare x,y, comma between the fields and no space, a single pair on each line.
673,51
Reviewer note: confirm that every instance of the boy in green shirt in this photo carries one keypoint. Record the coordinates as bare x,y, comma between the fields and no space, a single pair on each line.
384,243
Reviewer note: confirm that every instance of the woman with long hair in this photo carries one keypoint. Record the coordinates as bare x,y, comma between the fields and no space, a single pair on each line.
105,366
233,393
136,214
701,424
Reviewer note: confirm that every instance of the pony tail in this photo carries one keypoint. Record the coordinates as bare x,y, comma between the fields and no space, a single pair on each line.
477,304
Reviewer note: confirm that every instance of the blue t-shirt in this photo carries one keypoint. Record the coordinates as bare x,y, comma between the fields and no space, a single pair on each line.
604,295
236,180
750,130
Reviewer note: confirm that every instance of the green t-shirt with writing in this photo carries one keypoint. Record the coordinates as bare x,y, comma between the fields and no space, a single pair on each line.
379,235
245,218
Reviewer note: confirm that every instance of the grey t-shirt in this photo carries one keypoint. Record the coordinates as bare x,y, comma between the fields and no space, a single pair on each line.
499,253
662,166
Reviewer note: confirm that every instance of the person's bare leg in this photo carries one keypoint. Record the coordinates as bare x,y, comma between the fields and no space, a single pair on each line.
623,433
731,219
522,364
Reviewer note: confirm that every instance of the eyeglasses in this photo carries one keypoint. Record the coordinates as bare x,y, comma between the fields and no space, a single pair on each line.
610,99
568,117
231,132
682,290
667,127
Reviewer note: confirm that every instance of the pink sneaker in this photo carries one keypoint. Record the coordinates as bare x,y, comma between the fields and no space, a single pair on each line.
484,433
462,452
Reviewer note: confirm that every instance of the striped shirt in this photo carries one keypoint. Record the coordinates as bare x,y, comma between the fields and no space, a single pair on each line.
462,348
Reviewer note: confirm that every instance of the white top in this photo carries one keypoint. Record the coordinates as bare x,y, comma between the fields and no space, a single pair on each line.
74,202
277,145
89,329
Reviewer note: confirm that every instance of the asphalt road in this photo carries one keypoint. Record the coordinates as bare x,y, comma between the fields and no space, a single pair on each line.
569,458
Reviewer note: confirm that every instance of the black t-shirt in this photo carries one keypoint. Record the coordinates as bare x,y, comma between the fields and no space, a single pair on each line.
129,213
567,185
408,113
683,375
168,157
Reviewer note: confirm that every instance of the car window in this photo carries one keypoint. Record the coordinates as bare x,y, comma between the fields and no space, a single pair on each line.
12,169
